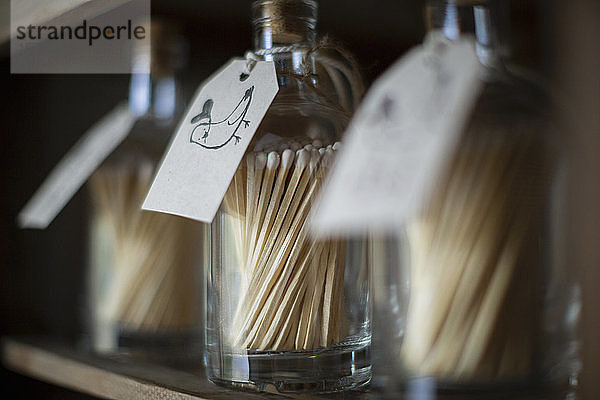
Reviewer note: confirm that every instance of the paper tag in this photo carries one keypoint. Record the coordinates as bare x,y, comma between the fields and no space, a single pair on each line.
400,138
211,141
76,167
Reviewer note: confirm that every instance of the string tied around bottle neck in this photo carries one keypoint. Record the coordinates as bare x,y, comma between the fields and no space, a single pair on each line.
338,64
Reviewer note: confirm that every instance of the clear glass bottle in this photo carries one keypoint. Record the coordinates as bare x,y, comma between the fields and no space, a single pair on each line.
282,308
145,267
491,306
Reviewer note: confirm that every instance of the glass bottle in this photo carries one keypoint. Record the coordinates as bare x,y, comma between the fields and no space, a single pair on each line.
491,306
284,309
144,266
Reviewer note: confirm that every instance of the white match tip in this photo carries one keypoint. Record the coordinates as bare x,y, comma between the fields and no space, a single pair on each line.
317,143
322,150
295,146
315,157
261,160
308,147
146,170
302,158
328,158
273,160
337,145
287,158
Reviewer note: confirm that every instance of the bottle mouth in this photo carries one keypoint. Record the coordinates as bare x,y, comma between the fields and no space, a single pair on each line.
284,22
476,18
153,88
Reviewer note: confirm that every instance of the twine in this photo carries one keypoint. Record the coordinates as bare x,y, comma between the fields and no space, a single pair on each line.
288,20
341,68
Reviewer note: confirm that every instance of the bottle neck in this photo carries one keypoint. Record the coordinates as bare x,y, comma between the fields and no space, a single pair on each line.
153,97
154,91
283,31
479,19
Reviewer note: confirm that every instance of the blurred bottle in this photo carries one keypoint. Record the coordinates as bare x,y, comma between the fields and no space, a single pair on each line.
145,267
477,295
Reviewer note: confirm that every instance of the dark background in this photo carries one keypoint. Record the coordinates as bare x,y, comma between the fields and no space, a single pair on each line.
42,273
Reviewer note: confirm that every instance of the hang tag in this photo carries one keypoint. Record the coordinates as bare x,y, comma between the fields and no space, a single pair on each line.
76,167
400,138
211,141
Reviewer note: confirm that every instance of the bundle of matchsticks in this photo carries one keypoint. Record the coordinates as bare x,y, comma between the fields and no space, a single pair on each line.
143,262
292,290
475,264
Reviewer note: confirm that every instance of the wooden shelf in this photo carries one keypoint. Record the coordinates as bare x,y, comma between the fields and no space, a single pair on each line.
122,377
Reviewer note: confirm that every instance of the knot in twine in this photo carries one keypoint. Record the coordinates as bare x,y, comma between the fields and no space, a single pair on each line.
338,64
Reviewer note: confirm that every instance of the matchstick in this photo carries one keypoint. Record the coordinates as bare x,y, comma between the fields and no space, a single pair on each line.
474,262
290,282
148,254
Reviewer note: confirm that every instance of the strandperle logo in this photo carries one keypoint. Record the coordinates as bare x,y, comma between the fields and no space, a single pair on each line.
94,37
85,31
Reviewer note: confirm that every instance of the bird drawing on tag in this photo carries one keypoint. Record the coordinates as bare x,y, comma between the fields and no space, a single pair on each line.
212,133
